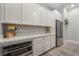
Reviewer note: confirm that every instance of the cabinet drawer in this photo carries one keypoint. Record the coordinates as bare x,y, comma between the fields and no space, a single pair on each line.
37,43
47,37
38,39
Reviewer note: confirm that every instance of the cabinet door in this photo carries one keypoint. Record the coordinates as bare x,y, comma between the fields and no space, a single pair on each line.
1,17
36,14
0,12
53,41
49,18
27,13
12,13
46,43
38,46
31,14
44,16
53,29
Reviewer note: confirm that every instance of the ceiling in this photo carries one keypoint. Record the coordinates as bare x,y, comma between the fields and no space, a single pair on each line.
52,6
59,6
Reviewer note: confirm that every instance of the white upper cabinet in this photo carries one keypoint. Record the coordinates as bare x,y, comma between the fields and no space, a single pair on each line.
31,14
12,13
49,18
1,18
27,13
1,12
36,14
44,16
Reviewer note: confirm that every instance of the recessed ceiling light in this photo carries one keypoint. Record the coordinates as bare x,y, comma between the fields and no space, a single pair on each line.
68,7
72,5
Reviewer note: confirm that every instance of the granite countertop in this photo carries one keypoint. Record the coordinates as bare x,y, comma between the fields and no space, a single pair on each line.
18,39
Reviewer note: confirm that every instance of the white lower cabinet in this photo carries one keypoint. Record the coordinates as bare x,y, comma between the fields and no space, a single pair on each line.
46,43
52,41
38,46
43,44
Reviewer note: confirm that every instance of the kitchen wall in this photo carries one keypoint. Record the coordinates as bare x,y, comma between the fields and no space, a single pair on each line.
73,26
71,31
65,27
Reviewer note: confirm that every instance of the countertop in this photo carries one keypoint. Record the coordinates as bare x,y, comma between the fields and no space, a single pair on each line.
18,39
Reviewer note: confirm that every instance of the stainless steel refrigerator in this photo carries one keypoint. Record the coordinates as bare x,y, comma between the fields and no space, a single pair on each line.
59,33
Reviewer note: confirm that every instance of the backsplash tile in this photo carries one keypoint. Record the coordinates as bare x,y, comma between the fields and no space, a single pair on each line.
29,30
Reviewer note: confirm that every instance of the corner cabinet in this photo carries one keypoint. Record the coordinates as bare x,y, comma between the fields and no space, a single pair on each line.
12,13
38,46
